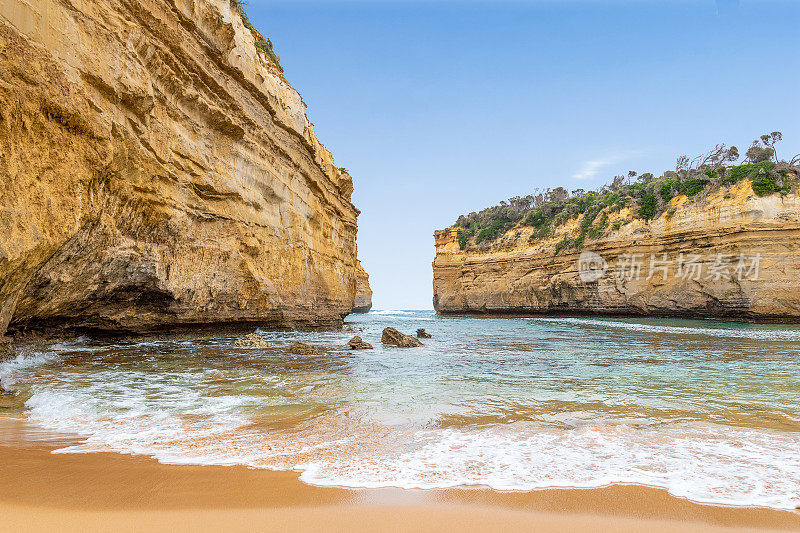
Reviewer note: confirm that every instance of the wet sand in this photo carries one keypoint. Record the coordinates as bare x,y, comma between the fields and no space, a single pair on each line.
41,491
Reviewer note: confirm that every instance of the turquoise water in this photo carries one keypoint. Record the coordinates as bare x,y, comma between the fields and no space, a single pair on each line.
709,410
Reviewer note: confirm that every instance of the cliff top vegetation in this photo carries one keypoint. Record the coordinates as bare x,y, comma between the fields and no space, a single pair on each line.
261,42
646,195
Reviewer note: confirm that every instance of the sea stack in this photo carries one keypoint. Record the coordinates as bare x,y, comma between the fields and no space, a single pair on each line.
724,253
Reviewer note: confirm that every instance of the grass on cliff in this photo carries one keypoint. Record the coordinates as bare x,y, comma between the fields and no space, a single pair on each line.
646,195
262,43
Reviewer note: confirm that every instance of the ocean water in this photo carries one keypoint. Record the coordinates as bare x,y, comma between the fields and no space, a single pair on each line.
708,410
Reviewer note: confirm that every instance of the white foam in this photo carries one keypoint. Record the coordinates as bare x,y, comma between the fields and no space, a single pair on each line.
172,417
755,334
703,463
24,361
750,469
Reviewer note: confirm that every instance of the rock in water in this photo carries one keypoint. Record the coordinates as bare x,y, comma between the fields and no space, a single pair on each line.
422,334
301,348
357,344
394,337
4,391
252,340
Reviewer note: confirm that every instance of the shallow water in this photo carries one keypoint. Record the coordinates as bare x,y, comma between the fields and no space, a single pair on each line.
709,410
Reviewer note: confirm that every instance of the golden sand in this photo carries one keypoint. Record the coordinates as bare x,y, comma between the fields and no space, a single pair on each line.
41,491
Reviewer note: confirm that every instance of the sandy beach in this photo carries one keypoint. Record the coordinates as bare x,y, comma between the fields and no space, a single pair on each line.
42,491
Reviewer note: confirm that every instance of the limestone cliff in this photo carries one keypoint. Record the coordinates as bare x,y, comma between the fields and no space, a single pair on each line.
157,170
363,300
730,255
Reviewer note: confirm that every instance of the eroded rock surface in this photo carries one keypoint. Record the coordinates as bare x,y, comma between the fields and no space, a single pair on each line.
422,334
356,343
395,338
157,170
301,348
363,299
741,260
252,340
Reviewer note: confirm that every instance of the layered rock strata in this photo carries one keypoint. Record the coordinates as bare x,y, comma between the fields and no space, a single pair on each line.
731,255
363,300
157,170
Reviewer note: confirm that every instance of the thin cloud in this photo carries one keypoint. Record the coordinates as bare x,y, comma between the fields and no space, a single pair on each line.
591,168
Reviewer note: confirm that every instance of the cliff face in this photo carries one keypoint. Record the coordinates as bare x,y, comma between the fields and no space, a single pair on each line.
157,170
363,300
741,259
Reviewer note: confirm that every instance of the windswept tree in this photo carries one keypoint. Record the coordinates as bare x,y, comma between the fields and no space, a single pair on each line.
771,140
645,197
682,163
763,149
758,153
616,183
719,155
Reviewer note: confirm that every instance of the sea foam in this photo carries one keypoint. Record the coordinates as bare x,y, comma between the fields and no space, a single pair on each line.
508,404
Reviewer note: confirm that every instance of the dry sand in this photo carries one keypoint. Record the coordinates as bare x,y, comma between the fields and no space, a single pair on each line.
41,491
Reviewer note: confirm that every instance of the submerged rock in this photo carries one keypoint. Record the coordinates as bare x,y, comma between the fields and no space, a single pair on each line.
301,348
422,334
357,344
5,347
252,340
395,338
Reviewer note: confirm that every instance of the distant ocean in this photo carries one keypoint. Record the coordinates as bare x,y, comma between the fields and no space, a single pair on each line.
708,410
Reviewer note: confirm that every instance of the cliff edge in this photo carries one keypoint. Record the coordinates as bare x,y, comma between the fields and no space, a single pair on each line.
158,171
363,300
730,254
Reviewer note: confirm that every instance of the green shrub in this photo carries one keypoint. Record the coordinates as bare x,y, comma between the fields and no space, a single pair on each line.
496,228
566,242
464,236
648,207
540,233
266,47
598,230
748,170
737,174
693,186
764,184
535,219
668,189
544,212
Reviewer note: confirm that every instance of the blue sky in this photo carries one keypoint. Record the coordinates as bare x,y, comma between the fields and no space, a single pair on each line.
444,107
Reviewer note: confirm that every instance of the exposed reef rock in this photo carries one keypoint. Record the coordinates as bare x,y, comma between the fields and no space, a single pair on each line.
395,338
157,171
731,255
422,334
356,343
363,300
252,340
301,348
